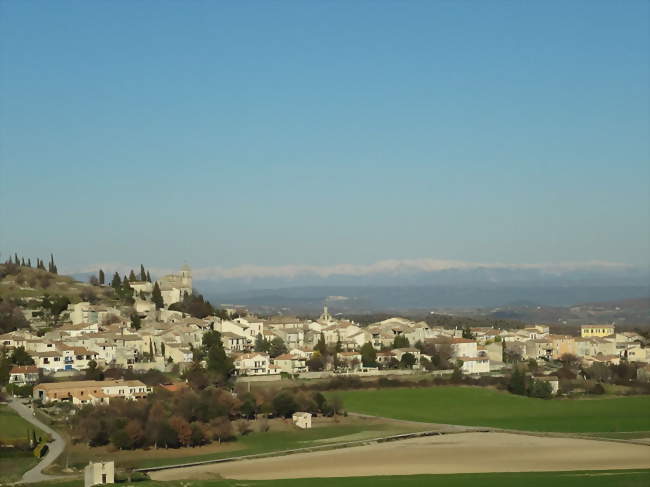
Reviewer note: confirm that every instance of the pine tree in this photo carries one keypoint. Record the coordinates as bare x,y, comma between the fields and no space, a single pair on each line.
132,276
217,361
143,274
156,296
116,283
277,347
517,384
102,277
125,278
148,277
261,344
467,333
368,355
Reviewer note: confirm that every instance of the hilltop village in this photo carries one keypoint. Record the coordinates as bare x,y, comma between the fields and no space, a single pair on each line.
154,332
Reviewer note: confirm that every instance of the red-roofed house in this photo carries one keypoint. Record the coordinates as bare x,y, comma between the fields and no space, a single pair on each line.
23,374
291,364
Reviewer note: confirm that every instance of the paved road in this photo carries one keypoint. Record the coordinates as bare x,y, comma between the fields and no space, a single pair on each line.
55,447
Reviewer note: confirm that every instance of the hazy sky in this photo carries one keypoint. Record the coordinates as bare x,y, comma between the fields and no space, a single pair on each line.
318,133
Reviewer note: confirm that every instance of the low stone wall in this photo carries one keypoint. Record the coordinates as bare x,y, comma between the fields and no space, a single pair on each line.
259,378
373,373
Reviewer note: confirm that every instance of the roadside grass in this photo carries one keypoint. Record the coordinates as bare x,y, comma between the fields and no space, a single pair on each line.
282,436
14,463
14,428
597,478
474,406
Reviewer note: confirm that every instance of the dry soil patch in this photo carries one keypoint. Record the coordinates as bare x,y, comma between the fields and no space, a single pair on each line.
457,453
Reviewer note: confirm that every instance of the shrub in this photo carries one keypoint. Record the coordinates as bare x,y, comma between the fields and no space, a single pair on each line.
243,427
284,404
597,389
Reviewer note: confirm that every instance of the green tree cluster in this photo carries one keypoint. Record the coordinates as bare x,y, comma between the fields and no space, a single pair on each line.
368,355
400,341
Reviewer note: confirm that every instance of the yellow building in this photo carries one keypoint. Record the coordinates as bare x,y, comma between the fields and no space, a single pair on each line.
587,331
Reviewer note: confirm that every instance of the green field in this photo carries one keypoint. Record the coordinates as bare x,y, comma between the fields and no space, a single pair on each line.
13,427
604,478
13,463
474,406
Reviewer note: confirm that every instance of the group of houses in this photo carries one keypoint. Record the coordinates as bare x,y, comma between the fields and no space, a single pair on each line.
99,335
596,344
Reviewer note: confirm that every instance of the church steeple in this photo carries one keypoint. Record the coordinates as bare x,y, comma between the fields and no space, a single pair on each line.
325,316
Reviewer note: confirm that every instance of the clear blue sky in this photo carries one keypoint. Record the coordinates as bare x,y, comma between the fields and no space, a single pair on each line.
274,133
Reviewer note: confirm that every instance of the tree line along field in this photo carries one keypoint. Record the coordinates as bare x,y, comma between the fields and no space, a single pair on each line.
473,406
282,435
600,478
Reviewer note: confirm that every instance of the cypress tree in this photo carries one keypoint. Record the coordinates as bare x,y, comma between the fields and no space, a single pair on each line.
321,346
148,277
132,276
116,283
126,291
156,296
135,321
102,277
22,262
143,274
29,262
16,260
150,348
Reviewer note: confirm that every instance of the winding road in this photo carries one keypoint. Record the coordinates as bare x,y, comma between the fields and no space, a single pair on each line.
55,447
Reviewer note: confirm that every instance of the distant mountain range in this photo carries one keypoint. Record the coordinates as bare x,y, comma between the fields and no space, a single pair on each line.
418,285
438,289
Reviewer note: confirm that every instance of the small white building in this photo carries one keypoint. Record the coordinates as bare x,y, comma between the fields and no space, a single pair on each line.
97,473
302,420
475,365
552,380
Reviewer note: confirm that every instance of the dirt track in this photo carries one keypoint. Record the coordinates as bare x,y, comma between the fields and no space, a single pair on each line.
458,453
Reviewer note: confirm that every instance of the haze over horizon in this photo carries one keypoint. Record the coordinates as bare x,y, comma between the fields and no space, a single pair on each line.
261,140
